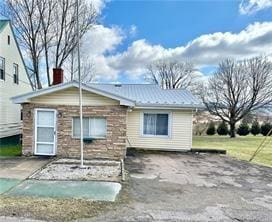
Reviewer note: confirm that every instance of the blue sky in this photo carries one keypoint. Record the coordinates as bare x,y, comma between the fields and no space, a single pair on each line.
163,27
133,34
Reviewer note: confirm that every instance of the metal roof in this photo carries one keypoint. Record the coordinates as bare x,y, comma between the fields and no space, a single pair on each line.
151,94
134,95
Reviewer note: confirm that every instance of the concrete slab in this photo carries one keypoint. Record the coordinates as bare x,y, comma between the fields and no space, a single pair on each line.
91,190
20,167
6,184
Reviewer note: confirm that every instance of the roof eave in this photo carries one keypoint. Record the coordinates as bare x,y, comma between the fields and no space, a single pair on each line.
25,98
168,106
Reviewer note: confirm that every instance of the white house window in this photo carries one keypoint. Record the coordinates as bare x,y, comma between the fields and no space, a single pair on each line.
15,73
93,127
156,124
2,68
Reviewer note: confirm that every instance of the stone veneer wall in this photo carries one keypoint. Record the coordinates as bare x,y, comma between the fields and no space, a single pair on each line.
112,147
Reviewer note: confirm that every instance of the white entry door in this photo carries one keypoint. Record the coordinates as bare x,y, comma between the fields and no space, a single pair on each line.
45,132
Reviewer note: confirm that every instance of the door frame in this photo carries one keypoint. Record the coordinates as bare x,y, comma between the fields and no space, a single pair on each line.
55,131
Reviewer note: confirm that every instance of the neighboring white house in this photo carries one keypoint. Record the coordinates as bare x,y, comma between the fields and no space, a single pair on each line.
13,81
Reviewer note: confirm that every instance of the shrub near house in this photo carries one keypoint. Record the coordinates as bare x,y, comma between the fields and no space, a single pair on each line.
222,129
211,129
265,129
243,129
255,128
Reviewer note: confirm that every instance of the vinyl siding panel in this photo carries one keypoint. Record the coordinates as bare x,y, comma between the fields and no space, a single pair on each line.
71,97
10,114
180,138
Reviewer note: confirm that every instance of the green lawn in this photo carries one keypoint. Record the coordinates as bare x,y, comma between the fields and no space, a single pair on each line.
239,147
10,150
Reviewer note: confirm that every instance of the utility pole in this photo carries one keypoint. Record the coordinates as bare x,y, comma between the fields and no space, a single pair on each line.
80,88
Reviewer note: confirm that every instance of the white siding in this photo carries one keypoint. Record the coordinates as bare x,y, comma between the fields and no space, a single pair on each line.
70,97
180,138
10,123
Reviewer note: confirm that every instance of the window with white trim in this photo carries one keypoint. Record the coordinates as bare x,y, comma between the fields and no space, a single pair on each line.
93,127
15,73
156,124
2,68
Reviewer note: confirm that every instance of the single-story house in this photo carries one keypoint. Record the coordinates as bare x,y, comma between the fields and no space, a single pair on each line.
116,116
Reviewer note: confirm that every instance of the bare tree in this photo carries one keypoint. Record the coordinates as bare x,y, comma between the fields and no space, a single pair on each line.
46,8
26,20
238,88
64,27
172,74
47,27
87,68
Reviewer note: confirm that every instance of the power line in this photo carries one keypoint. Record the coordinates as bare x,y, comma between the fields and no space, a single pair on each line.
10,75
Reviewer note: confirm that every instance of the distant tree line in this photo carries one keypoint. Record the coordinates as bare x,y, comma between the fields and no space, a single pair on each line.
244,128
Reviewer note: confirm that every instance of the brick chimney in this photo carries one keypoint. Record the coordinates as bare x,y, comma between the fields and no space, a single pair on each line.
57,76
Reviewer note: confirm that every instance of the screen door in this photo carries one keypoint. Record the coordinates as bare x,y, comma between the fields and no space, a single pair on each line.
45,132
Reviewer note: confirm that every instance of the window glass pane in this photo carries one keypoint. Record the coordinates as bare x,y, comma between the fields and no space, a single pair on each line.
98,127
2,63
85,127
45,118
149,124
162,124
45,134
76,127
45,148
2,68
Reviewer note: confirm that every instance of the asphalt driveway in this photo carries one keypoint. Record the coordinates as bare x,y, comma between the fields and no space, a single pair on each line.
166,187
183,187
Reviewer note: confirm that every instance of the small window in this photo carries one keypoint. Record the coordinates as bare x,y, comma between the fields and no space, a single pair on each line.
156,124
8,39
92,127
15,73
2,68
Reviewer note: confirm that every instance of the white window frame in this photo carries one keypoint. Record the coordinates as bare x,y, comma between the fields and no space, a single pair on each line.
156,112
16,67
55,134
89,129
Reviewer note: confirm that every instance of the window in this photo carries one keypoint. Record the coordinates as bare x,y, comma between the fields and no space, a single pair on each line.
156,124
2,68
92,127
8,39
15,73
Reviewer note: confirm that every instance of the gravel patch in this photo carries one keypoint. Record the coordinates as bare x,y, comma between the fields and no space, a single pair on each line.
69,169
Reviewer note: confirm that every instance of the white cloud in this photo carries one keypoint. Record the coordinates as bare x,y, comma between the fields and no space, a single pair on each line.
101,39
133,31
206,50
247,7
98,4
98,42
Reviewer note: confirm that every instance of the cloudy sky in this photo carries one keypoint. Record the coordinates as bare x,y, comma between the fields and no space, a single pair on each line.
131,34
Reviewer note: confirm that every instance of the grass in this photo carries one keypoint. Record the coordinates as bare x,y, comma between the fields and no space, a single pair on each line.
10,150
239,147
